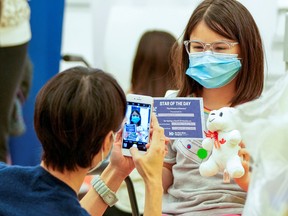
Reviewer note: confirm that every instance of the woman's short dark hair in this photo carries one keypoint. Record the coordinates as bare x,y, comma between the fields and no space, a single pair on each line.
74,111
232,20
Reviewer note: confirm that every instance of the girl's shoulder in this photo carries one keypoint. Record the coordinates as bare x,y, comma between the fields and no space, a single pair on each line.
171,93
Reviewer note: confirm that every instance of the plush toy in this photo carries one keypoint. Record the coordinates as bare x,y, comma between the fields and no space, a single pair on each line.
223,140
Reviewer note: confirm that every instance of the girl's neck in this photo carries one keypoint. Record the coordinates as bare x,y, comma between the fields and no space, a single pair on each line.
217,98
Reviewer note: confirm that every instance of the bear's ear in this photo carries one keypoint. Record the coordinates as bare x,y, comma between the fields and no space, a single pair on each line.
225,114
232,110
227,110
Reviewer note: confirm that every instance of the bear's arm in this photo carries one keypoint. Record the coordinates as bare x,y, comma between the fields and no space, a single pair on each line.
207,144
234,137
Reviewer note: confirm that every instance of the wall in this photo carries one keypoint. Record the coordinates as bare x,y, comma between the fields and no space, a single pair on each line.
106,32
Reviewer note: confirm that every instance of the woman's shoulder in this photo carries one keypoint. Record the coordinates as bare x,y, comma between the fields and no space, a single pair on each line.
2,165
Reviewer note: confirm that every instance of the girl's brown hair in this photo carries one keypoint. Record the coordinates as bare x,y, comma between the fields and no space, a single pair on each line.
232,20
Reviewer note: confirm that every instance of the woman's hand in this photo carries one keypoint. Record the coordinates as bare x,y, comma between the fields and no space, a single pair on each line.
150,164
124,165
149,167
113,175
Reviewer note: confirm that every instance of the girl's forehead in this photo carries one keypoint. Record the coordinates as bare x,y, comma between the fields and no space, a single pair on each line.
205,34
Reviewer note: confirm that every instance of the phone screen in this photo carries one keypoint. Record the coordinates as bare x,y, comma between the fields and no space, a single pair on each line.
137,126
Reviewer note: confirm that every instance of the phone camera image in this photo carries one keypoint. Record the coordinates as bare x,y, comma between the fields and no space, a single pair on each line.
137,127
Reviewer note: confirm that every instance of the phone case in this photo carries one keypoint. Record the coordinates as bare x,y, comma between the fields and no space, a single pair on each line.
138,121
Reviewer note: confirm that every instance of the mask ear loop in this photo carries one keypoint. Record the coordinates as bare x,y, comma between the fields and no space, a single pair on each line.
113,136
102,155
99,164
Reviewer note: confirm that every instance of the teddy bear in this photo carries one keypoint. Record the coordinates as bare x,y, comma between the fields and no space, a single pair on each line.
223,140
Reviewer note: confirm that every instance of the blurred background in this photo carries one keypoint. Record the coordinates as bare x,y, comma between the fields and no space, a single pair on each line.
106,34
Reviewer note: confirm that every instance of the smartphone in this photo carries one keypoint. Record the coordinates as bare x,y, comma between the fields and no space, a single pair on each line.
137,123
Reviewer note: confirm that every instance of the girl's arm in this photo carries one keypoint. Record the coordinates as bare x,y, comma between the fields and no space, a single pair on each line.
167,177
243,182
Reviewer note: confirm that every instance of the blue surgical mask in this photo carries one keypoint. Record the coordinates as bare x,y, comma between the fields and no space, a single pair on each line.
135,119
213,70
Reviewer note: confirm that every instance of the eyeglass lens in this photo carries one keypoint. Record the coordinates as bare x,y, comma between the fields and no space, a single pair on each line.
217,47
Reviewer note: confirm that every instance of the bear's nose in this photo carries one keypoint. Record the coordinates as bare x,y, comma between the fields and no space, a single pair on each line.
221,114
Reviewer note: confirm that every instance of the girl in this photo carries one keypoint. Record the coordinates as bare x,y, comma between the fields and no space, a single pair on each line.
221,60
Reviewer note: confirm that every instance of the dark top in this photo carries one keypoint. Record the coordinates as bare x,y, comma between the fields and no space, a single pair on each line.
34,191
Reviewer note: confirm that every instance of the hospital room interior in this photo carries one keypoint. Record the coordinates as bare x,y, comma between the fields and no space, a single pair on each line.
105,35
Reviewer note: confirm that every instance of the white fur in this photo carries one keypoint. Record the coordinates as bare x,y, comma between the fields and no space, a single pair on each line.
225,157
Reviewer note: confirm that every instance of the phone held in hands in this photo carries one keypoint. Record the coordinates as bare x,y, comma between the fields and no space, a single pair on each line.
137,123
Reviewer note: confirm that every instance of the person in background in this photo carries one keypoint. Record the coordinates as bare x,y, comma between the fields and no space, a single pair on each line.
15,33
78,113
17,125
152,75
221,60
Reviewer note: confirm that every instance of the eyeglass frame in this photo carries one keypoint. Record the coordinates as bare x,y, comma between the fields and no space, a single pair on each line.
186,42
